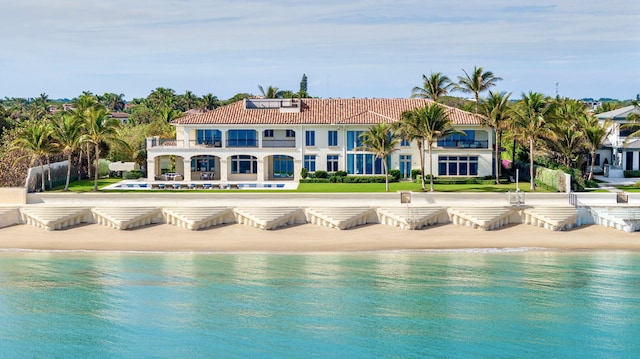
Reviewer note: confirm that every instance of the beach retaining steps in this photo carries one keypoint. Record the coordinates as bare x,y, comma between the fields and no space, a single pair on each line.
127,217
623,218
341,217
486,218
9,216
555,218
412,217
54,218
269,217
195,218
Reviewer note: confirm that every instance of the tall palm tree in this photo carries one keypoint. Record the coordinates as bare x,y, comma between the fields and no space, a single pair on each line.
68,133
408,128
113,101
427,125
476,82
101,129
271,92
531,124
595,133
382,141
209,102
434,86
497,117
35,140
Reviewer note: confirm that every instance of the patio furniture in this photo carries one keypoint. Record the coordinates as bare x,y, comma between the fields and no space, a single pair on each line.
206,185
161,185
177,186
192,186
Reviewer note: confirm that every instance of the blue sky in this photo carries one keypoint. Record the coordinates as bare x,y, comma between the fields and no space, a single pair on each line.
360,48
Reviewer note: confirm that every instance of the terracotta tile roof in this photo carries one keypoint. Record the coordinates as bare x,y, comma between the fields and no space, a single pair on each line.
323,111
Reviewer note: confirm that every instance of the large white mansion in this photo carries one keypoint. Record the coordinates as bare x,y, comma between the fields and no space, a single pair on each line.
273,139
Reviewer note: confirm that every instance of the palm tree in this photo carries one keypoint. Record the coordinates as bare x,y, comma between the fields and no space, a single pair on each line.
530,122
382,141
209,102
408,128
479,81
427,125
101,129
114,102
497,117
68,133
595,134
271,92
189,100
434,86
35,140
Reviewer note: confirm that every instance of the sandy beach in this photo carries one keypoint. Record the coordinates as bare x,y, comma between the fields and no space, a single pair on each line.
311,238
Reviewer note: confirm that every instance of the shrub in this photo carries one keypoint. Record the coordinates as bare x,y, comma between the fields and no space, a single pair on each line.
631,174
321,174
315,180
134,174
415,173
304,172
341,173
394,175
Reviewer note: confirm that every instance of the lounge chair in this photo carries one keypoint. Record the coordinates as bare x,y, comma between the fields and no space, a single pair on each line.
206,185
192,186
177,186
161,186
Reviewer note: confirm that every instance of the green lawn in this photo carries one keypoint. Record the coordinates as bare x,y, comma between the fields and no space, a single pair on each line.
87,186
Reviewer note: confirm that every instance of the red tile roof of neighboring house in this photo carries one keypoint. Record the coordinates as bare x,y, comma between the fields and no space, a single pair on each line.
323,111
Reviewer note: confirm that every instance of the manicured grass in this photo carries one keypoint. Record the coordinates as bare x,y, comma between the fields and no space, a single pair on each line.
628,188
87,186
408,186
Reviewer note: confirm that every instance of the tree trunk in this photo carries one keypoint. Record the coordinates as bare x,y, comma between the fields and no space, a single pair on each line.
497,144
66,185
430,168
386,175
49,171
593,163
95,175
88,160
532,184
422,163
42,173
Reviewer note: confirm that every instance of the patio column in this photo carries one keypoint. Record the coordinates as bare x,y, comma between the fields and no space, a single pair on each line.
151,169
260,169
185,136
224,169
297,167
187,168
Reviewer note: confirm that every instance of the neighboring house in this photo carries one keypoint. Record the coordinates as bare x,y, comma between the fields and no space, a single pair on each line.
273,139
619,150
123,117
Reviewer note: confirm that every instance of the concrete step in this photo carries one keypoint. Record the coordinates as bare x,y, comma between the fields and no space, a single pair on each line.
196,218
9,216
53,218
341,217
127,217
486,218
623,218
269,217
412,217
557,218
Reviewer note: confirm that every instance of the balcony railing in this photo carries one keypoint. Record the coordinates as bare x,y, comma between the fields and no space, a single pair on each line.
463,144
278,143
242,143
205,143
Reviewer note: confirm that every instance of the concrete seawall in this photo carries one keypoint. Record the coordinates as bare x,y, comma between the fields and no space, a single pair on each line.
198,210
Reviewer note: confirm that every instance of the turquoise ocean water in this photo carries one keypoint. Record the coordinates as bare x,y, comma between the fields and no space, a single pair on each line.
463,304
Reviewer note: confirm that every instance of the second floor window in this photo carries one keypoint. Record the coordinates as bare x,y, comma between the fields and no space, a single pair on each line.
242,138
291,133
209,137
333,138
268,133
310,138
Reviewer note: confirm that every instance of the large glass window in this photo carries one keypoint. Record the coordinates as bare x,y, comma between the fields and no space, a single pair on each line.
242,138
464,140
405,143
209,137
282,166
405,166
353,139
457,165
203,164
310,138
243,164
333,138
332,163
310,163
364,164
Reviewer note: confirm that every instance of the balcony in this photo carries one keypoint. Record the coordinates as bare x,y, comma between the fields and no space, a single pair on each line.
242,143
206,143
278,143
463,143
